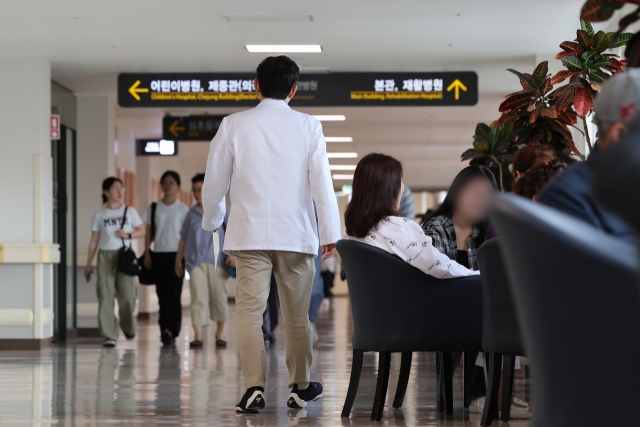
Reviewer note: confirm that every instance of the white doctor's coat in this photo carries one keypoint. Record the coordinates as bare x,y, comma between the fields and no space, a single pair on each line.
275,160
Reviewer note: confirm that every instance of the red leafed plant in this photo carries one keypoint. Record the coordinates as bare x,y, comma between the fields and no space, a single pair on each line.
587,68
601,10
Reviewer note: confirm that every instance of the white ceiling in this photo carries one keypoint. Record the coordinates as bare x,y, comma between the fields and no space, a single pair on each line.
88,42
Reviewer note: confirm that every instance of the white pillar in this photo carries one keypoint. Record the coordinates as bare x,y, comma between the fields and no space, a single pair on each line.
96,161
26,217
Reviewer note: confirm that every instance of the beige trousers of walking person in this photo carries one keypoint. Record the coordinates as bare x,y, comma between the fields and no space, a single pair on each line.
294,274
112,285
208,294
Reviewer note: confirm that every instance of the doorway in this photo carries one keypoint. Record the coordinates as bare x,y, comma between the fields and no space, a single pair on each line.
64,233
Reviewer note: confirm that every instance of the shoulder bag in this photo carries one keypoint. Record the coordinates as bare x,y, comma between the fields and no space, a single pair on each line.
146,275
127,261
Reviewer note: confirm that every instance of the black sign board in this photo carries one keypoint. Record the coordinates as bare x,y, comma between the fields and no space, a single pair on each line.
190,128
156,147
384,89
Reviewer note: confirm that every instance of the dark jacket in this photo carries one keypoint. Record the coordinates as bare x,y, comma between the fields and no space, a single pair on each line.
571,193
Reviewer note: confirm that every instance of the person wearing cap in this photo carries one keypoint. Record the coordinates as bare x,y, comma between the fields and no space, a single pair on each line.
617,108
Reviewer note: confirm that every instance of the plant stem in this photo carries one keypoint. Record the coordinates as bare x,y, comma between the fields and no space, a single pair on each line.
499,172
586,133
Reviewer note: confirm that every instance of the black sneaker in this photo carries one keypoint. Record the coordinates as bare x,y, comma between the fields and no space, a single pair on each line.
109,343
167,338
299,398
129,337
252,401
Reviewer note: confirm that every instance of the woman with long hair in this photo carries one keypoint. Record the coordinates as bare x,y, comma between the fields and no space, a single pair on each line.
372,218
112,227
459,225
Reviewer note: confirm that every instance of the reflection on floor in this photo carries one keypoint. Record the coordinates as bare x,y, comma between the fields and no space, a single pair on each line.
82,384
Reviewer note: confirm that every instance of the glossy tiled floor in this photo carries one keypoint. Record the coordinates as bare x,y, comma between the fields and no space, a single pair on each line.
138,383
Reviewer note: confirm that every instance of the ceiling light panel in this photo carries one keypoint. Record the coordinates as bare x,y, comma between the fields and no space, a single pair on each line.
267,17
330,117
342,155
284,48
342,167
339,177
338,139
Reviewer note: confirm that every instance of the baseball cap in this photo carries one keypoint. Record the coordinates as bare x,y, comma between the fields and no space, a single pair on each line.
619,98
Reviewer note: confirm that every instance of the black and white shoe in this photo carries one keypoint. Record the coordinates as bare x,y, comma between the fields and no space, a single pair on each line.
109,343
299,398
252,401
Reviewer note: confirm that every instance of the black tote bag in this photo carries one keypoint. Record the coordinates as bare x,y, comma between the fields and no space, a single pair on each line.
127,260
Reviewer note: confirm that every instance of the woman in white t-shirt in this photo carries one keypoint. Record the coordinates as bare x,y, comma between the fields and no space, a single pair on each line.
107,237
169,216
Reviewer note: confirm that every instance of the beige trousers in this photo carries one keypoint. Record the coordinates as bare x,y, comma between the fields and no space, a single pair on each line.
294,274
112,285
208,294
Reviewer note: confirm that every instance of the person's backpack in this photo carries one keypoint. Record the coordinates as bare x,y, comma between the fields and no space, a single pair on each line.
146,276
127,261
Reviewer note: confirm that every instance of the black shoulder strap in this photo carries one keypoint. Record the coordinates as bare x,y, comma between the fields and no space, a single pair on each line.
124,220
154,205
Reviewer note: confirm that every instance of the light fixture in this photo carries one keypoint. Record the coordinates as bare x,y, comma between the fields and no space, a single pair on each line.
331,117
342,155
342,167
167,148
338,139
284,48
338,177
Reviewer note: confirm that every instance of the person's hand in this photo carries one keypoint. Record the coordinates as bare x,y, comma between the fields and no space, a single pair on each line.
179,269
147,260
328,250
122,234
88,271
230,261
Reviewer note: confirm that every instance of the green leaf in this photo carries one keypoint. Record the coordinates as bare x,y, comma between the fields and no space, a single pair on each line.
585,57
584,39
524,78
601,41
622,40
586,27
481,147
597,62
507,131
471,153
572,63
493,138
540,74
597,76
482,132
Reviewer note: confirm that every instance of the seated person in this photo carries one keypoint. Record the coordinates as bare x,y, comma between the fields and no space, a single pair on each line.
371,218
459,225
572,192
528,157
532,182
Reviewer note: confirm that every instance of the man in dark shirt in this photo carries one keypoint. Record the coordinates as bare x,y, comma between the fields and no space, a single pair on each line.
616,109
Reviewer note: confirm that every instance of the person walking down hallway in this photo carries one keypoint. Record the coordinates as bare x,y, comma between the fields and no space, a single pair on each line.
113,227
274,160
167,215
207,277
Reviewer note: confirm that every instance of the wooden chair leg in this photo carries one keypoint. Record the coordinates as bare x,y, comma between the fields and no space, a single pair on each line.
403,379
354,382
508,371
384,366
469,367
439,383
446,370
491,400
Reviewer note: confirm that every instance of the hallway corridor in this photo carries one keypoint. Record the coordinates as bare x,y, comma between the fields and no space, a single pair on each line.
139,383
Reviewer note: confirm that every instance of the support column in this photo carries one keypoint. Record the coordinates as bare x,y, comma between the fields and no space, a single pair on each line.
96,161
26,234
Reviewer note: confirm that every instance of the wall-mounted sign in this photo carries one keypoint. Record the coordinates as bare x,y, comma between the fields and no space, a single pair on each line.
156,147
385,89
54,126
190,128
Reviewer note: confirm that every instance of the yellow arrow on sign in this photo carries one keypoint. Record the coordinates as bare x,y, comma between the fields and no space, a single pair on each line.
134,90
457,85
174,128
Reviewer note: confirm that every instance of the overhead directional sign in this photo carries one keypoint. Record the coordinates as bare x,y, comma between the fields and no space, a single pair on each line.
384,89
190,128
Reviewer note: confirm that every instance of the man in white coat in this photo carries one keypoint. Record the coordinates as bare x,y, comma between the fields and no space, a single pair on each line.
275,161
